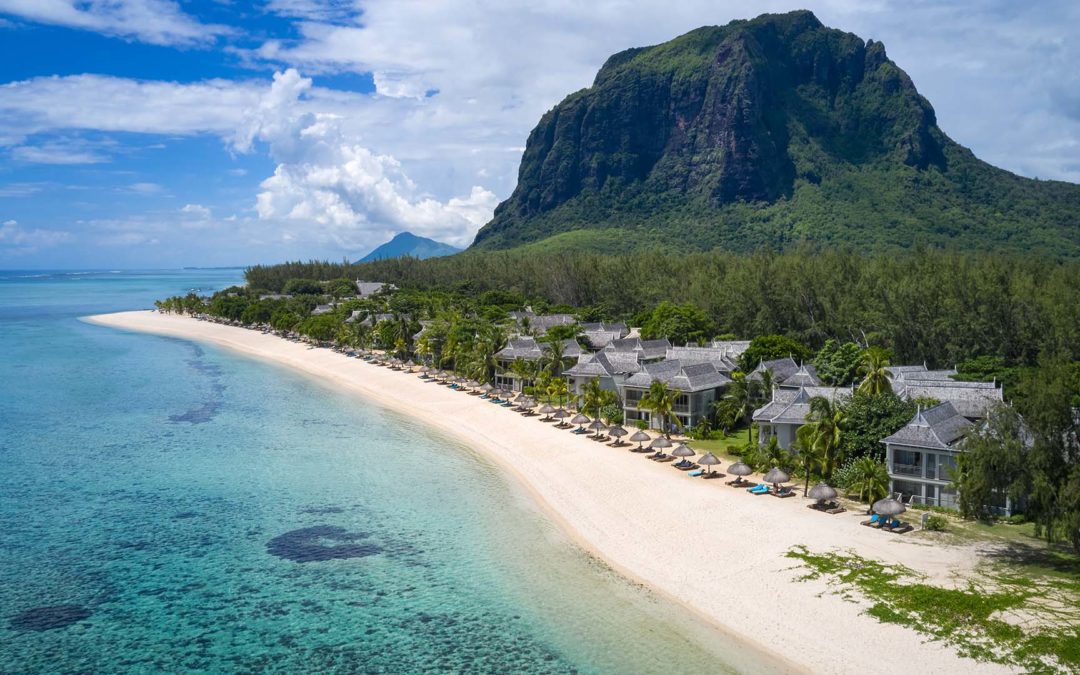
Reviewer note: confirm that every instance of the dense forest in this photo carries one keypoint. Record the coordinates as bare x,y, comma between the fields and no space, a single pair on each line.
941,307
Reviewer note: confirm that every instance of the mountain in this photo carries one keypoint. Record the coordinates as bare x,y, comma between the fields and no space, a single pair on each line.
767,133
407,243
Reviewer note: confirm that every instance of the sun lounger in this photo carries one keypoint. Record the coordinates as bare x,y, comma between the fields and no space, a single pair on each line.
696,473
783,492
580,431
758,489
657,455
665,459
875,521
688,467
682,463
712,474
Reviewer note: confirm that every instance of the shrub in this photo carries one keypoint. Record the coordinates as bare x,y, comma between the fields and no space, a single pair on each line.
844,477
734,450
935,523
1016,519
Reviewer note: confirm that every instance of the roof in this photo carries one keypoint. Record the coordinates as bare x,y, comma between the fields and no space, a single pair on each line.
528,348
968,400
717,356
368,288
680,377
648,349
937,428
925,375
322,309
541,323
805,376
733,349
792,406
604,364
780,369
897,370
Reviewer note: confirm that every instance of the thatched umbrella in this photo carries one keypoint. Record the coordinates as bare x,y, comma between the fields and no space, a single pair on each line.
822,492
776,475
581,420
640,437
560,415
888,507
708,459
486,388
597,426
617,432
682,451
410,364
740,469
546,409
660,444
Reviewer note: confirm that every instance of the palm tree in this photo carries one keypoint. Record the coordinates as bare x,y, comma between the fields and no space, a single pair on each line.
660,400
828,420
524,371
742,397
872,479
595,397
553,357
875,361
557,391
811,450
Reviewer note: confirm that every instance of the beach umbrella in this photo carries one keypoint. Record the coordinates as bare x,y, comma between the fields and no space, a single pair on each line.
888,507
708,459
410,364
822,492
486,387
660,443
472,384
776,475
617,432
740,469
640,437
580,420
683,451
597,426
546,409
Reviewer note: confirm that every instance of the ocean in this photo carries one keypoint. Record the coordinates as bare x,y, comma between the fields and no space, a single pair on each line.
168,506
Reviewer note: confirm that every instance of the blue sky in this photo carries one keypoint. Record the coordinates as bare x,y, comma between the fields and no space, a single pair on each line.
150,133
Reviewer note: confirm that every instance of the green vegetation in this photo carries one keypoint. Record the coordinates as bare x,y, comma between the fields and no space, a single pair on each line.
770,347
1025,614
681,324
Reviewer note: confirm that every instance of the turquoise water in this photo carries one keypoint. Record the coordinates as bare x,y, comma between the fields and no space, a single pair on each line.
166,506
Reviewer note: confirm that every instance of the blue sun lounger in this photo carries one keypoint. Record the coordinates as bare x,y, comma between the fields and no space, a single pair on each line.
759,489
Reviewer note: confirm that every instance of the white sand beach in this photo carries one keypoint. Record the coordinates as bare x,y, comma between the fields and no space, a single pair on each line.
717,550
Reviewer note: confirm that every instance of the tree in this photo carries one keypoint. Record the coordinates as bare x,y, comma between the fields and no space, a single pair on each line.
992,464
871,478
303,287
876,377
595,397
660,400
524,370
869,419
557,392
828,420
770,347
811,452
681,324
741,398
838,364
341,288
553,359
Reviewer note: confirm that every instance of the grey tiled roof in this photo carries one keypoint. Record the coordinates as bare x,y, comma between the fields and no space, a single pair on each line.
733,349
528,348
791,406
369,288
781,369
680,377
604,364
649,349
969,401
937,428
805,376
925,375
897,370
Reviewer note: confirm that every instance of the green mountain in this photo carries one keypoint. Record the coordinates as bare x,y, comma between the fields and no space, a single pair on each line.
407,243
766,133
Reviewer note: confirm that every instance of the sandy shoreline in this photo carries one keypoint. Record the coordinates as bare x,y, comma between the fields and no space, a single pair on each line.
717,550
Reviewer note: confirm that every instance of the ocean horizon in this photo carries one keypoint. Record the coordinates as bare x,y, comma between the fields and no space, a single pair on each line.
174,506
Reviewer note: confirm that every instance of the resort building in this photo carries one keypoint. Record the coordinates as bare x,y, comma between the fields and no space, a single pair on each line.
528,349
921,456
788,410
696,386
599,335
610,367
539,324
647,351
366,289
720,357
786,373
322,309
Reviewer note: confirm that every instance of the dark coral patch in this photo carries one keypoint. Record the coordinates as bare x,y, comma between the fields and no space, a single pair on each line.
48,618
309,544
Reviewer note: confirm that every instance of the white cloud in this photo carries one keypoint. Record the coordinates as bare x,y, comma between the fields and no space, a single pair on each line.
160,22
17,240
196,211
325,176
58,152
144,188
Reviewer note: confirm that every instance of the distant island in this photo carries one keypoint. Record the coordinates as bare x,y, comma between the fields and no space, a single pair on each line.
409,244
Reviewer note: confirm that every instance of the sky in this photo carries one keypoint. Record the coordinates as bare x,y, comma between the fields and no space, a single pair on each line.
168,133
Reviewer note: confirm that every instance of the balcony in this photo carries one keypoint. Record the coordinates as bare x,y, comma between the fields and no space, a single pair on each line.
907,469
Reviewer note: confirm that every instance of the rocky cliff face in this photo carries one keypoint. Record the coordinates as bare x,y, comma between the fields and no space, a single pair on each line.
740,114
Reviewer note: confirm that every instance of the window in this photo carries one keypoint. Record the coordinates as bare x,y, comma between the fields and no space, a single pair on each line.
907,463
946,465
907,489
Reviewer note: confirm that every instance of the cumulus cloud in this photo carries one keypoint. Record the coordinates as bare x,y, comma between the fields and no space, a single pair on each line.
325,176
196,211
58,152
159,22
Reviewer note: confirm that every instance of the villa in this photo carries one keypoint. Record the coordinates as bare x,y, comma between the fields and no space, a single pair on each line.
610,367
647,351
789,409
786,373
695,385
366,289
599,335
527,348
